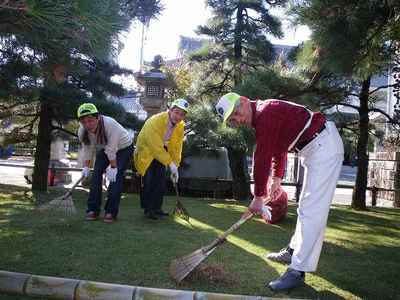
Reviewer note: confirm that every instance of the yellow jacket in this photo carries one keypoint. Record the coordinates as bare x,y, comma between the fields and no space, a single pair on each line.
150,143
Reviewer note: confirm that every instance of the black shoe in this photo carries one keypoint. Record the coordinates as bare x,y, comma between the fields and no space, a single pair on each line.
151,215
161,213
289,280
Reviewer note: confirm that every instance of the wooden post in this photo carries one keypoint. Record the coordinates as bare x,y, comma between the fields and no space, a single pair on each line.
374,193
396,184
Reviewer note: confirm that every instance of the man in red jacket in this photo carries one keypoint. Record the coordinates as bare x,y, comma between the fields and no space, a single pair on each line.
280,127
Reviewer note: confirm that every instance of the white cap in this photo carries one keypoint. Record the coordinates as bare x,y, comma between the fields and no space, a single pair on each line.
226,105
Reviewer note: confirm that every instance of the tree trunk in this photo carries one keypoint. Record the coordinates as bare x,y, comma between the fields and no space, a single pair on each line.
238,47
42,154
237,158
240,174
360,188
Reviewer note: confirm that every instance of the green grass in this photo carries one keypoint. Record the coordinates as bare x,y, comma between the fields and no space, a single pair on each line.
360,258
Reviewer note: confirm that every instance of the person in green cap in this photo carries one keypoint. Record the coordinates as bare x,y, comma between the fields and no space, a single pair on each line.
159,145
281,127
113,146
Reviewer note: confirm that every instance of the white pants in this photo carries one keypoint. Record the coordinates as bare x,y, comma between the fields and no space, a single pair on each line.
322,160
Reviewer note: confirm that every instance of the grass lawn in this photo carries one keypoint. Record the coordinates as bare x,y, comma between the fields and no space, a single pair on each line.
360,258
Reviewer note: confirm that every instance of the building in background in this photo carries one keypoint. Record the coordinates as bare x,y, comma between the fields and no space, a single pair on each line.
131,104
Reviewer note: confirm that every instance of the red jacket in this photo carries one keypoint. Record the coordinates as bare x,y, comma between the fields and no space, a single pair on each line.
277,124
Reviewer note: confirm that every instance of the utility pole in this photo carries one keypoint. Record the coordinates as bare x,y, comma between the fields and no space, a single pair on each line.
145,26
141,49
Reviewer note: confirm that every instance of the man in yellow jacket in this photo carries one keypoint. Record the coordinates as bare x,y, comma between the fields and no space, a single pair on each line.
159,145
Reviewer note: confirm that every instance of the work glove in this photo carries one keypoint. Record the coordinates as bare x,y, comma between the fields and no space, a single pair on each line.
111,174
174,172
266,212
256,205
85,172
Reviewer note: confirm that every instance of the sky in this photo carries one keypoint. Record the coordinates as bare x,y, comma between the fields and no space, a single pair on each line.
180,17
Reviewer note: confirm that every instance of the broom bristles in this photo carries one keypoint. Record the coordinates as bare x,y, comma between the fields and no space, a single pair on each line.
61,204
64,204
181,212
181,267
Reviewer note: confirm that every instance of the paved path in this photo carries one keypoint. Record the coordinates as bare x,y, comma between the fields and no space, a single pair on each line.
15,176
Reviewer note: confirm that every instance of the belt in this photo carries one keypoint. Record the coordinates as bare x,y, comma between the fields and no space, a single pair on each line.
301,145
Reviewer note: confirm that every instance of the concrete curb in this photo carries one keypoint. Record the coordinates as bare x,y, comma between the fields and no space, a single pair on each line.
72,289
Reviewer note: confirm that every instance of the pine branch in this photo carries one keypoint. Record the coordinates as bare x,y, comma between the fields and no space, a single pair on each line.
64,130
384,87
221,86
25,115
341,103
14,5
388,117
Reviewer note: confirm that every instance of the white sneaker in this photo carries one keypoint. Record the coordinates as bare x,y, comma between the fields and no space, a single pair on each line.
284,256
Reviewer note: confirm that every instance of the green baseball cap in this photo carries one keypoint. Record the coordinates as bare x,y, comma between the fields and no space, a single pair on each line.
227,104
87,109
180,103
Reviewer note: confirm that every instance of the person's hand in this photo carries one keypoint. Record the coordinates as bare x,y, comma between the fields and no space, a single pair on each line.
174,172
275,189
266,212
85,172
111,174
256,205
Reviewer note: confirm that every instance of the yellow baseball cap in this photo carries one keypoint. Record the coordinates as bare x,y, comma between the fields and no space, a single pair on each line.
87,109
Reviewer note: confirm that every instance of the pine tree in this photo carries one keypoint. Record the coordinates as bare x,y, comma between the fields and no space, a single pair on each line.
55,54
238,44
354,41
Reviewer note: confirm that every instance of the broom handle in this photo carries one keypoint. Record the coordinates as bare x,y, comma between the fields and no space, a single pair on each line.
222,237
177,193
73,187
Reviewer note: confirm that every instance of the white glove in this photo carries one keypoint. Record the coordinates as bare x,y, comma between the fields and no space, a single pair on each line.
266,212
256,205
85,172
111,174
174,172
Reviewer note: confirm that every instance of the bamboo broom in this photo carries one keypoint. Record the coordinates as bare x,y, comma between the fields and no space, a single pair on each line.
179,210
64,204
181,267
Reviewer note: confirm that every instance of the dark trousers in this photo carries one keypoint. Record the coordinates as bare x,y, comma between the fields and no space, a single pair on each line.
153,187
115,188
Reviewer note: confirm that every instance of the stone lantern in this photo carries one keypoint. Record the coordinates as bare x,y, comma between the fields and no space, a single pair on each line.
153,83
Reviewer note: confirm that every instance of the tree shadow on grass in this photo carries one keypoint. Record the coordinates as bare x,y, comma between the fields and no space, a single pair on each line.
137,251
360,253
26,195
132,251
349,262
374,220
